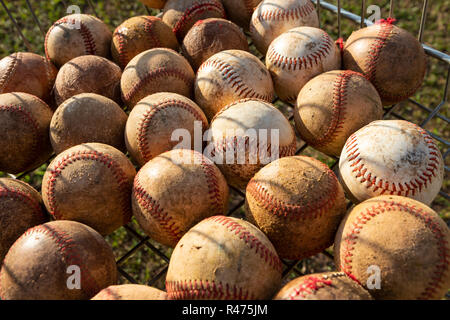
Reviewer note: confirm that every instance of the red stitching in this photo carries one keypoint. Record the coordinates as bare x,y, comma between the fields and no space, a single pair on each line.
93,155
233,78
88,39
280,14
145,124
268,255
386,206
383,186
155,74
12,192
121,50
10,70
69,255
197,7
206,289
148,27
338,108
311,284
280,208
294,63
165,221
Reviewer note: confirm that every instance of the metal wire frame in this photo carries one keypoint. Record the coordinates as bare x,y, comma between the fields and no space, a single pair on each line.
290,267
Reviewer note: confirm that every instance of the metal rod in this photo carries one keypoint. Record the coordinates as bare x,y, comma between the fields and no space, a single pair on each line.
318,10
363,13
25,40
423,19
339,17
391,9
35,18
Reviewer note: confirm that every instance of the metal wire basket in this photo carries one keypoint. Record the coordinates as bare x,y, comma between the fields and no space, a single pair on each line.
142,260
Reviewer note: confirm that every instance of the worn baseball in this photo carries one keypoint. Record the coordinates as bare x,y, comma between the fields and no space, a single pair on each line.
398,242
88,74
154,120
130,292
181,15
297,56
90,183
271,18
20,209
211,36
298,203
229,76
156,70
393,157
389,57
223,258
24,122
59,260
77,35
156,4
240,11
174,191
332,106
87,117
245,136
323,286
138,34
39,73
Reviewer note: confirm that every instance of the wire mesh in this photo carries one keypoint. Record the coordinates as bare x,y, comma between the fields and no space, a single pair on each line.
140,247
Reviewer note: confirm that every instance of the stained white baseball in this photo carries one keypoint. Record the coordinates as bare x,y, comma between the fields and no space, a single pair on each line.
391,157
297,56
273,17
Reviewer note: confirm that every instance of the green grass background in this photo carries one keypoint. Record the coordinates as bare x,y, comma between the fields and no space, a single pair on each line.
145,264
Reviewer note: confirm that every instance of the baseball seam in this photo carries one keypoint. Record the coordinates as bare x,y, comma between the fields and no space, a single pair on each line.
153,75
197,7
294,63
156,211
100,157
17,194
382,186
121,49
280,208
145,123
310,286
88,39
10,70
281,14
206,289
234,80
269,256
148,27
350,241
338,108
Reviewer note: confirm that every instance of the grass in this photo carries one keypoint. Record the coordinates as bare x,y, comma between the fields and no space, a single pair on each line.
144,264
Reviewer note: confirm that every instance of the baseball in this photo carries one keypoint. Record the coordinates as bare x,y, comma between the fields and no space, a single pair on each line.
229,76
298,203
332,106
77,35
87,117
211,36
43,264
240,152
130,292
389,57
240,11
156,4
152,122
24,123
297,56
223,258
273,17
323,286
40,75
90,183
156,70
88,74
404,243
181,15
393,157
139,34
20,209
174,191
